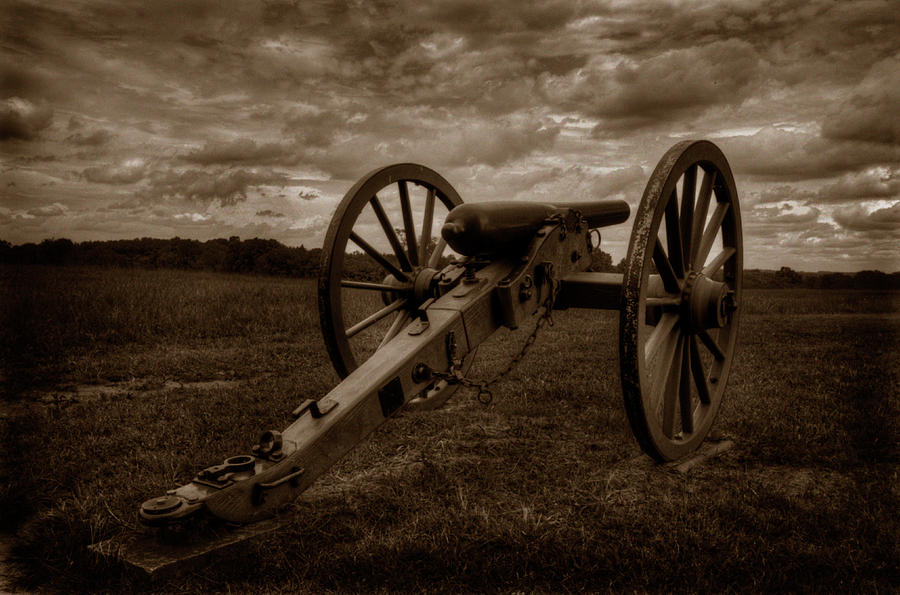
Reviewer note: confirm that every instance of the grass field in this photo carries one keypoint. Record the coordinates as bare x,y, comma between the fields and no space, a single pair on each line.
118,384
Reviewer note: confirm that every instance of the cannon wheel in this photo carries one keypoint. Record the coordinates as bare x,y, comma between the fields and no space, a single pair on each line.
680,296
399,260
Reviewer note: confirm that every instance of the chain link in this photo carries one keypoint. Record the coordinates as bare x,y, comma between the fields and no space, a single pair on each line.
485,396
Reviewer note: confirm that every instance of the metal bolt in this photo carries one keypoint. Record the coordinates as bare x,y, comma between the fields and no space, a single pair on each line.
525,289
421,373
729,304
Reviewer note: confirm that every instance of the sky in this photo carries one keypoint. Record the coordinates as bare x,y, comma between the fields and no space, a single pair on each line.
210,119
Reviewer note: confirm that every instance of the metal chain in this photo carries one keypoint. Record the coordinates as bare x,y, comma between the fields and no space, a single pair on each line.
485,396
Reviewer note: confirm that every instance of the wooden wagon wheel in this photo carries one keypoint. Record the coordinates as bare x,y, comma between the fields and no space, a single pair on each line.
681,291
363,306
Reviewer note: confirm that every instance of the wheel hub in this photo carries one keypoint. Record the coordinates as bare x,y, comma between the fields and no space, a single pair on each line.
390,296
422,286
706,303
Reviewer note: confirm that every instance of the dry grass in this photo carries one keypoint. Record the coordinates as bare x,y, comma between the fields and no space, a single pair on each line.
543,490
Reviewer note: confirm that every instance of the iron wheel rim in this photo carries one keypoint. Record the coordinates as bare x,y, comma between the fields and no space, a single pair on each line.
331,299
659,358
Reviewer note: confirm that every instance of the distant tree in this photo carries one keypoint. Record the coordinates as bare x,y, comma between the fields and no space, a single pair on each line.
270,257
280,260
430,243
871,280
237,257
835,281
55,251
601,261
26,254
313,261
212,255
788,276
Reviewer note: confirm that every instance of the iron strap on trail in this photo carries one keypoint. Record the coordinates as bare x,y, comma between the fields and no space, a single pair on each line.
485,396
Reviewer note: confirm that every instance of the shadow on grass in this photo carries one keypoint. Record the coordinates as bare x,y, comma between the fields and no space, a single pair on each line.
371,545
536,492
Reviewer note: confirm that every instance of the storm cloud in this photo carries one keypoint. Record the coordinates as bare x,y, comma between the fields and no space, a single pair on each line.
21,119
223,115
204,186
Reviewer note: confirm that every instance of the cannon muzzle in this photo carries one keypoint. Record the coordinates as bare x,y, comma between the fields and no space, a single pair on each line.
498,228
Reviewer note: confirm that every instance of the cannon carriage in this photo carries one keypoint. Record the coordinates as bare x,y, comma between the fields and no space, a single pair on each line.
405,335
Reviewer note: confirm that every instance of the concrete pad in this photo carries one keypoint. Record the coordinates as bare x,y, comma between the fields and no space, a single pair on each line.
707,450
160,555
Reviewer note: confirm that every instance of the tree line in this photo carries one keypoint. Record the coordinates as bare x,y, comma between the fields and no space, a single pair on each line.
786,277
271,257
264,257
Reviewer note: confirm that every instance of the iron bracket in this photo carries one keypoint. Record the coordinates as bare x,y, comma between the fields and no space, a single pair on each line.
316,408
258,496
420,322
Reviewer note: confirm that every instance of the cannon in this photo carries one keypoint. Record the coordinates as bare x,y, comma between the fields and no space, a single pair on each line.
402,319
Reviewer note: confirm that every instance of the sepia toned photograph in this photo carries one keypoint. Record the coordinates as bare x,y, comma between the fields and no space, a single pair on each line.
352,296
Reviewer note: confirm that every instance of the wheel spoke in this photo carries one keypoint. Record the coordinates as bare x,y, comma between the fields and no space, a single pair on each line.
673,235
426,225
684,388
660,366
660,333
390,233
372,319
408,226
699,374
687,210
436,254
664,301
378,257
670,382
349,283
655,287
669,279
399,322
720,259
709,235
711,344
700,210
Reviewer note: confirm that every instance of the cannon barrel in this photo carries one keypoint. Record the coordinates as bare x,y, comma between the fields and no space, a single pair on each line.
498,228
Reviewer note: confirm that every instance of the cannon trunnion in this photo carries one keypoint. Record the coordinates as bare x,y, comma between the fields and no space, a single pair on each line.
402,313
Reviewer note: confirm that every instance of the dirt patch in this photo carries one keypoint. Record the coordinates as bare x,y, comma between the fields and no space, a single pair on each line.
92,392
88,393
